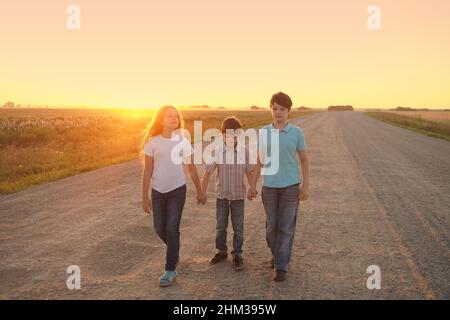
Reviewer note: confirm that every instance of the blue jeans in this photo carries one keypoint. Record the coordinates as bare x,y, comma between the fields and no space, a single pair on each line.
167,210
223,208
281,206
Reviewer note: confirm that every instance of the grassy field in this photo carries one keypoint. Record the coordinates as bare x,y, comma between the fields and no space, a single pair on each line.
41,145
437,116
432,123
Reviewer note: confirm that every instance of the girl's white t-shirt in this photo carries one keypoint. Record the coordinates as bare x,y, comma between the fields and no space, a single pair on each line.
168,158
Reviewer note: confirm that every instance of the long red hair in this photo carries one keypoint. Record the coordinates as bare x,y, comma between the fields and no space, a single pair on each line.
156,125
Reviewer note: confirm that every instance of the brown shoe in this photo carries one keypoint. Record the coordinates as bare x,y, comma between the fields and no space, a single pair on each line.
279,275
238,263
218,257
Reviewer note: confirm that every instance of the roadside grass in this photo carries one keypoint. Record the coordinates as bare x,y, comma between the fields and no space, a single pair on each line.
430,128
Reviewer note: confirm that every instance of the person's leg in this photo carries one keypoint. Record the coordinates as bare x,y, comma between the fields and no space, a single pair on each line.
159,214
237,220
175,203
222,212
286,219
270,202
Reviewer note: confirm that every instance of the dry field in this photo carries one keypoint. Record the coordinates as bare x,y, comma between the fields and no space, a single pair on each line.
414,121
439,116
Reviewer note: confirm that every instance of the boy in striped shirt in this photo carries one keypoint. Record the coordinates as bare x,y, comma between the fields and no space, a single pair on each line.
230,189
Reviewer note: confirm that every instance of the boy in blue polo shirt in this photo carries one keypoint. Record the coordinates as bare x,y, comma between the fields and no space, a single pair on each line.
282,190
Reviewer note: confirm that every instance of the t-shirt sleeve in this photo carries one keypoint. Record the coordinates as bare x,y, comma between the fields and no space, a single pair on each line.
301,142
149,148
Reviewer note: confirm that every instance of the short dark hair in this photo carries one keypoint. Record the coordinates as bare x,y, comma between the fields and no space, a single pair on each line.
282,99
230,123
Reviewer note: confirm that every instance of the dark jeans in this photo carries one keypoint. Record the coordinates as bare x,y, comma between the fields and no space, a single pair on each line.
167,210
223,208
281,206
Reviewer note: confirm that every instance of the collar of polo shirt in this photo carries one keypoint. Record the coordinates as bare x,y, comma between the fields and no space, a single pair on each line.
284,129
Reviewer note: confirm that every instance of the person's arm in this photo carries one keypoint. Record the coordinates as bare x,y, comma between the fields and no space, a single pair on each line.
304,162
253,180
192,169
146,179
249,175
188,163
205,181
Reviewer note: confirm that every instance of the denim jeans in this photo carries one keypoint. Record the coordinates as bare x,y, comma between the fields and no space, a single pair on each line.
223,208
167,210
281,206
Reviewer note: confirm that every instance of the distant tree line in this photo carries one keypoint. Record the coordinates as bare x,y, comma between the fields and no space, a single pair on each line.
340,108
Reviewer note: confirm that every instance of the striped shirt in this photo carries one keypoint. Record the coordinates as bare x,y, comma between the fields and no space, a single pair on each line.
230,174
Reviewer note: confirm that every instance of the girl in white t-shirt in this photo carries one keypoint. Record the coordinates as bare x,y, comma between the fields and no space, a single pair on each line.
166,153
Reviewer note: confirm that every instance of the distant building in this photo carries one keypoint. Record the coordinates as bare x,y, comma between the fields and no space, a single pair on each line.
340,108
9,104
403,109
409,109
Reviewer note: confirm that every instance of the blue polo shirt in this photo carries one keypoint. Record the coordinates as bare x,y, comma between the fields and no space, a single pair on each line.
290,140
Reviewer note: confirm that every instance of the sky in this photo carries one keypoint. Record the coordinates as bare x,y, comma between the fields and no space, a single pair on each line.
234,53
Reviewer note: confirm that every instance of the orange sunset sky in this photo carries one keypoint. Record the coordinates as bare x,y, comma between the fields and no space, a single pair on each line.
230,53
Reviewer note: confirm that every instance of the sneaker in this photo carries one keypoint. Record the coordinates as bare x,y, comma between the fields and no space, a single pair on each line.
219,256
238,263
279,275
167,278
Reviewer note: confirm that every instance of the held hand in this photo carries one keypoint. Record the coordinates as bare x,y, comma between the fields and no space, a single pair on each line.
304,193
147,205
251,193
205,199
201,198
255,192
